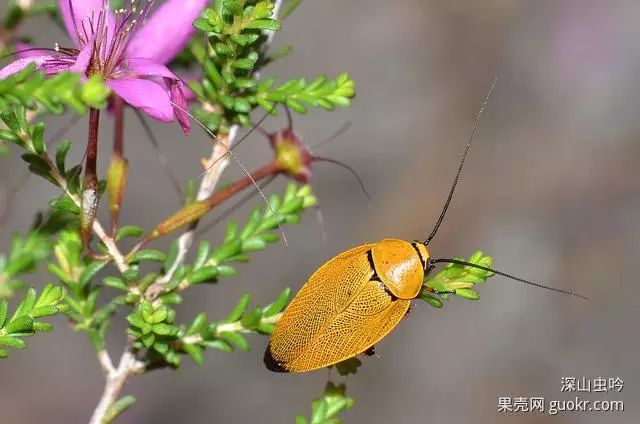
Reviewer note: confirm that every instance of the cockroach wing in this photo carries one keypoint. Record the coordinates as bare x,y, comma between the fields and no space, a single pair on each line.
326,292
339,313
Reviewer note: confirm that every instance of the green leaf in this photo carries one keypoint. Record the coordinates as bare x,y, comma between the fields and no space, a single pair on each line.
277,305
3,312
149,255
348,366
165,329
22,324
240,308
26,305
252,319
199,325
202,275
118,408
89,272
203,253
129,231
116,283
195,352
235,339
264,25
37,138
61,155
218,344
13,342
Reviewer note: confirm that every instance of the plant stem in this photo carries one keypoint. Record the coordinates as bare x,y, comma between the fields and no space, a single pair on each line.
116,378
90,186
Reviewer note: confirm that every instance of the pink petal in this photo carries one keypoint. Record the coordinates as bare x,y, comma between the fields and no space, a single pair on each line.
145,95
20,64
167,31
27,50
148,68
84,57
180,106
76,12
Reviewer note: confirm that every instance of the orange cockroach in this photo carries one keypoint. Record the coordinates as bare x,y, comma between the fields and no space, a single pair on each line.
355,299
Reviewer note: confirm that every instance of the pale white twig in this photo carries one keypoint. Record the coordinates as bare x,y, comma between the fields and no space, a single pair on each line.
116,378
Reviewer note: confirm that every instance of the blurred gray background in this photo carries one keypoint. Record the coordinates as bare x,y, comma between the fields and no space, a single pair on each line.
550,191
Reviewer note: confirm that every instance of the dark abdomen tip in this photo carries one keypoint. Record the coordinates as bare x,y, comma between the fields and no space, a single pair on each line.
271,363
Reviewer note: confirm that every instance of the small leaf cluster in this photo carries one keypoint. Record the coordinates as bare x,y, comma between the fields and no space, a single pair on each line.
77,273
154,329
456,279
31,138
257,234
234,51
33,90
25,254
25,321
326,409
227,334
298,94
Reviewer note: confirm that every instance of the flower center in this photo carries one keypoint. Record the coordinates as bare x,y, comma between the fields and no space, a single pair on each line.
110,35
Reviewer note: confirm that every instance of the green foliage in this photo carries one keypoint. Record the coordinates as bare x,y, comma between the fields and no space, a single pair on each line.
326,409
456,279
32,89
321,92
256,234
26,320
77,273
348,366
118,408
155,330
25,254
232,55
31,138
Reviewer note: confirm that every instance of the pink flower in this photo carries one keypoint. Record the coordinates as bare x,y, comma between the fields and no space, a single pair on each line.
128,52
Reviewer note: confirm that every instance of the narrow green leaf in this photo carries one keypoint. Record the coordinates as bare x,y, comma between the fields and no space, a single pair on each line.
116,283
240,308
61,155
26,305
129,231
264,25
195,352
277,305
22,324
202,275
198,325
235,338
218,344
3,312
118,408
13,342
165,329
90,271
149,255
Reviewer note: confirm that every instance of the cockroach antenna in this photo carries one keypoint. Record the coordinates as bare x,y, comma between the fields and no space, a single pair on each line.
448,202
464,157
